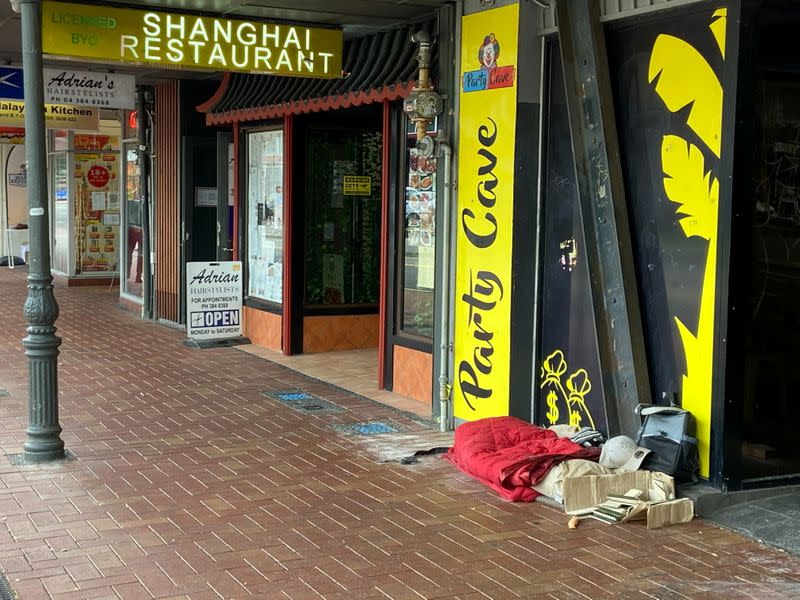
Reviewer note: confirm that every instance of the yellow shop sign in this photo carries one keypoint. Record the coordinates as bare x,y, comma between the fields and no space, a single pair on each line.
487,129
112,34
56,116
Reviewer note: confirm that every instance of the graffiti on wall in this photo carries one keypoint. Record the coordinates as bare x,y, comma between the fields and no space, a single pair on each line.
565,399
685,81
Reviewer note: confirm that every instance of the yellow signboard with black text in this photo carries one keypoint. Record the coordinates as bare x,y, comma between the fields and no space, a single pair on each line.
487,125
56,116
111,34
357,185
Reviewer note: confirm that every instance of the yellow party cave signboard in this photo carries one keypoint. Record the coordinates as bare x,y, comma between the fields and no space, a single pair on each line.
485,211
105,33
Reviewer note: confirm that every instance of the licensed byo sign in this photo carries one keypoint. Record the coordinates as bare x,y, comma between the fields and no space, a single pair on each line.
214,300
182,40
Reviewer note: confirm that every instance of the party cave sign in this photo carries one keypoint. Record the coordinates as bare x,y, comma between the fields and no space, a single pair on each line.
214,300
485,210
104,33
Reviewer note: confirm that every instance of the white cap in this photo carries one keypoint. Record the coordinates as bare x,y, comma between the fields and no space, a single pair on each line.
622,453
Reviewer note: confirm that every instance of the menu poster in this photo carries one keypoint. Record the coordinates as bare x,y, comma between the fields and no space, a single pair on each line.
426,268
97,210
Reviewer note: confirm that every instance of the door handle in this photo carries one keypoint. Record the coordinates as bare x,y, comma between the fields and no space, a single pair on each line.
228,249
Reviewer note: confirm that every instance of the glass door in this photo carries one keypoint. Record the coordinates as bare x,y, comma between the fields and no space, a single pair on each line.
343,215
131,267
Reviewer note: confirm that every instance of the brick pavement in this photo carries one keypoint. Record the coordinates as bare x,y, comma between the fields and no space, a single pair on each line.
189,483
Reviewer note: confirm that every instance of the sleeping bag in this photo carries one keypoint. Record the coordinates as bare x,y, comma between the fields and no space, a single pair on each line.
510,455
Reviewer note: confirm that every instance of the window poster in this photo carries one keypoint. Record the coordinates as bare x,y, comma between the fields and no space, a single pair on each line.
265,216
97,204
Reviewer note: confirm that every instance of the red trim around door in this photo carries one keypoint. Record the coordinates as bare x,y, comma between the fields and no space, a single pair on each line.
384,284
235,217
288,145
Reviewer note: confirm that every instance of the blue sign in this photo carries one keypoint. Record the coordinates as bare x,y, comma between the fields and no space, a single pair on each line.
11,83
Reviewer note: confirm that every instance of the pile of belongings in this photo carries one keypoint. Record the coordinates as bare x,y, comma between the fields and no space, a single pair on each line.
511,456
522,461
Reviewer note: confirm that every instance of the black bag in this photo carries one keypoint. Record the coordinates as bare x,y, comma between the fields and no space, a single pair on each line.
669,433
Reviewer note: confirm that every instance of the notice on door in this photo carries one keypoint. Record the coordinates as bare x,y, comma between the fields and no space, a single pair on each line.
213,300
357,185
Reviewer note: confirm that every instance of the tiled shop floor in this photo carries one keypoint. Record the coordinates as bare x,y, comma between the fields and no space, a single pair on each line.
189,482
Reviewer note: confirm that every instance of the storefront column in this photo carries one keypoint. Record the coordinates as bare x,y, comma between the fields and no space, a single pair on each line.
41,310
602,200
288,235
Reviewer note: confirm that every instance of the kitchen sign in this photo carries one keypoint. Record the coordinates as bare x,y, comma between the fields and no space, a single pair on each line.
88,88
114,34
213,300
56,116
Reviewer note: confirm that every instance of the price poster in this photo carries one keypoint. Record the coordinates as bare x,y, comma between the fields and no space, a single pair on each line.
97,206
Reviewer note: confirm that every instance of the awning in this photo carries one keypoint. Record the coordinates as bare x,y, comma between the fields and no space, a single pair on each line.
376,68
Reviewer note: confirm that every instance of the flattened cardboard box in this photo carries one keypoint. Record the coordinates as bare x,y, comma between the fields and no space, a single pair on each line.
588,491
657,505
670,513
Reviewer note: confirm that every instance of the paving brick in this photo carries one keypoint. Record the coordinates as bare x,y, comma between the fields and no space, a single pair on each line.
189,483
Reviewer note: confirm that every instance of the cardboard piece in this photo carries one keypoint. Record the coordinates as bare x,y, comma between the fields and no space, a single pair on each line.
588,491
670,513
656,504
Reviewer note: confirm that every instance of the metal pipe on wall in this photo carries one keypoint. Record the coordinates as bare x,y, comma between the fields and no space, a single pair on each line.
444,277
143,155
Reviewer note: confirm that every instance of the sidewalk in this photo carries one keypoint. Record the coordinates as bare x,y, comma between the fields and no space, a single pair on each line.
189,482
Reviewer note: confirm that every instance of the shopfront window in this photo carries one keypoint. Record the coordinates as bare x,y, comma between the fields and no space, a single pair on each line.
265,215
418,239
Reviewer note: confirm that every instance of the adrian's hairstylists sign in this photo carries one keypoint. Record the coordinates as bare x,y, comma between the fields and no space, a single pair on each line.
87,88
213,300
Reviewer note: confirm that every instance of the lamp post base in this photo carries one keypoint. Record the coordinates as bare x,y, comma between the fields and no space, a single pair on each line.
43,445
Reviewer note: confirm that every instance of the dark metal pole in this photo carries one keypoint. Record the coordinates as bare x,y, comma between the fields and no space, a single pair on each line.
41,310
143,154
609,248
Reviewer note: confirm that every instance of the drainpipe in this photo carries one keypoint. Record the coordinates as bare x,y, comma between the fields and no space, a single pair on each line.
144,187
444,277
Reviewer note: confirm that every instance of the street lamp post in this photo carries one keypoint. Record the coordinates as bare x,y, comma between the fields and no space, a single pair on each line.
41,310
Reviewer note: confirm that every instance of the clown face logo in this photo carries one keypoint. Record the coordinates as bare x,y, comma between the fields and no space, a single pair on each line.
489,52
490,76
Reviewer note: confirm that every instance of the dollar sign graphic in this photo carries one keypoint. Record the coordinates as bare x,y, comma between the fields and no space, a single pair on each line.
552,408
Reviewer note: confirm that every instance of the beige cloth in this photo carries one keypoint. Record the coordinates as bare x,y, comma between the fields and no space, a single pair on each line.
553,483
564,431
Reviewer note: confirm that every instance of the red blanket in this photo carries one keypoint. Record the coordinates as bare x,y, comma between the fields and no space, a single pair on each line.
510,455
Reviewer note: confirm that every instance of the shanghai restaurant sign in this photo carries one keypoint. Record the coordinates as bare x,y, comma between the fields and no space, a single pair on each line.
213,300
114,34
